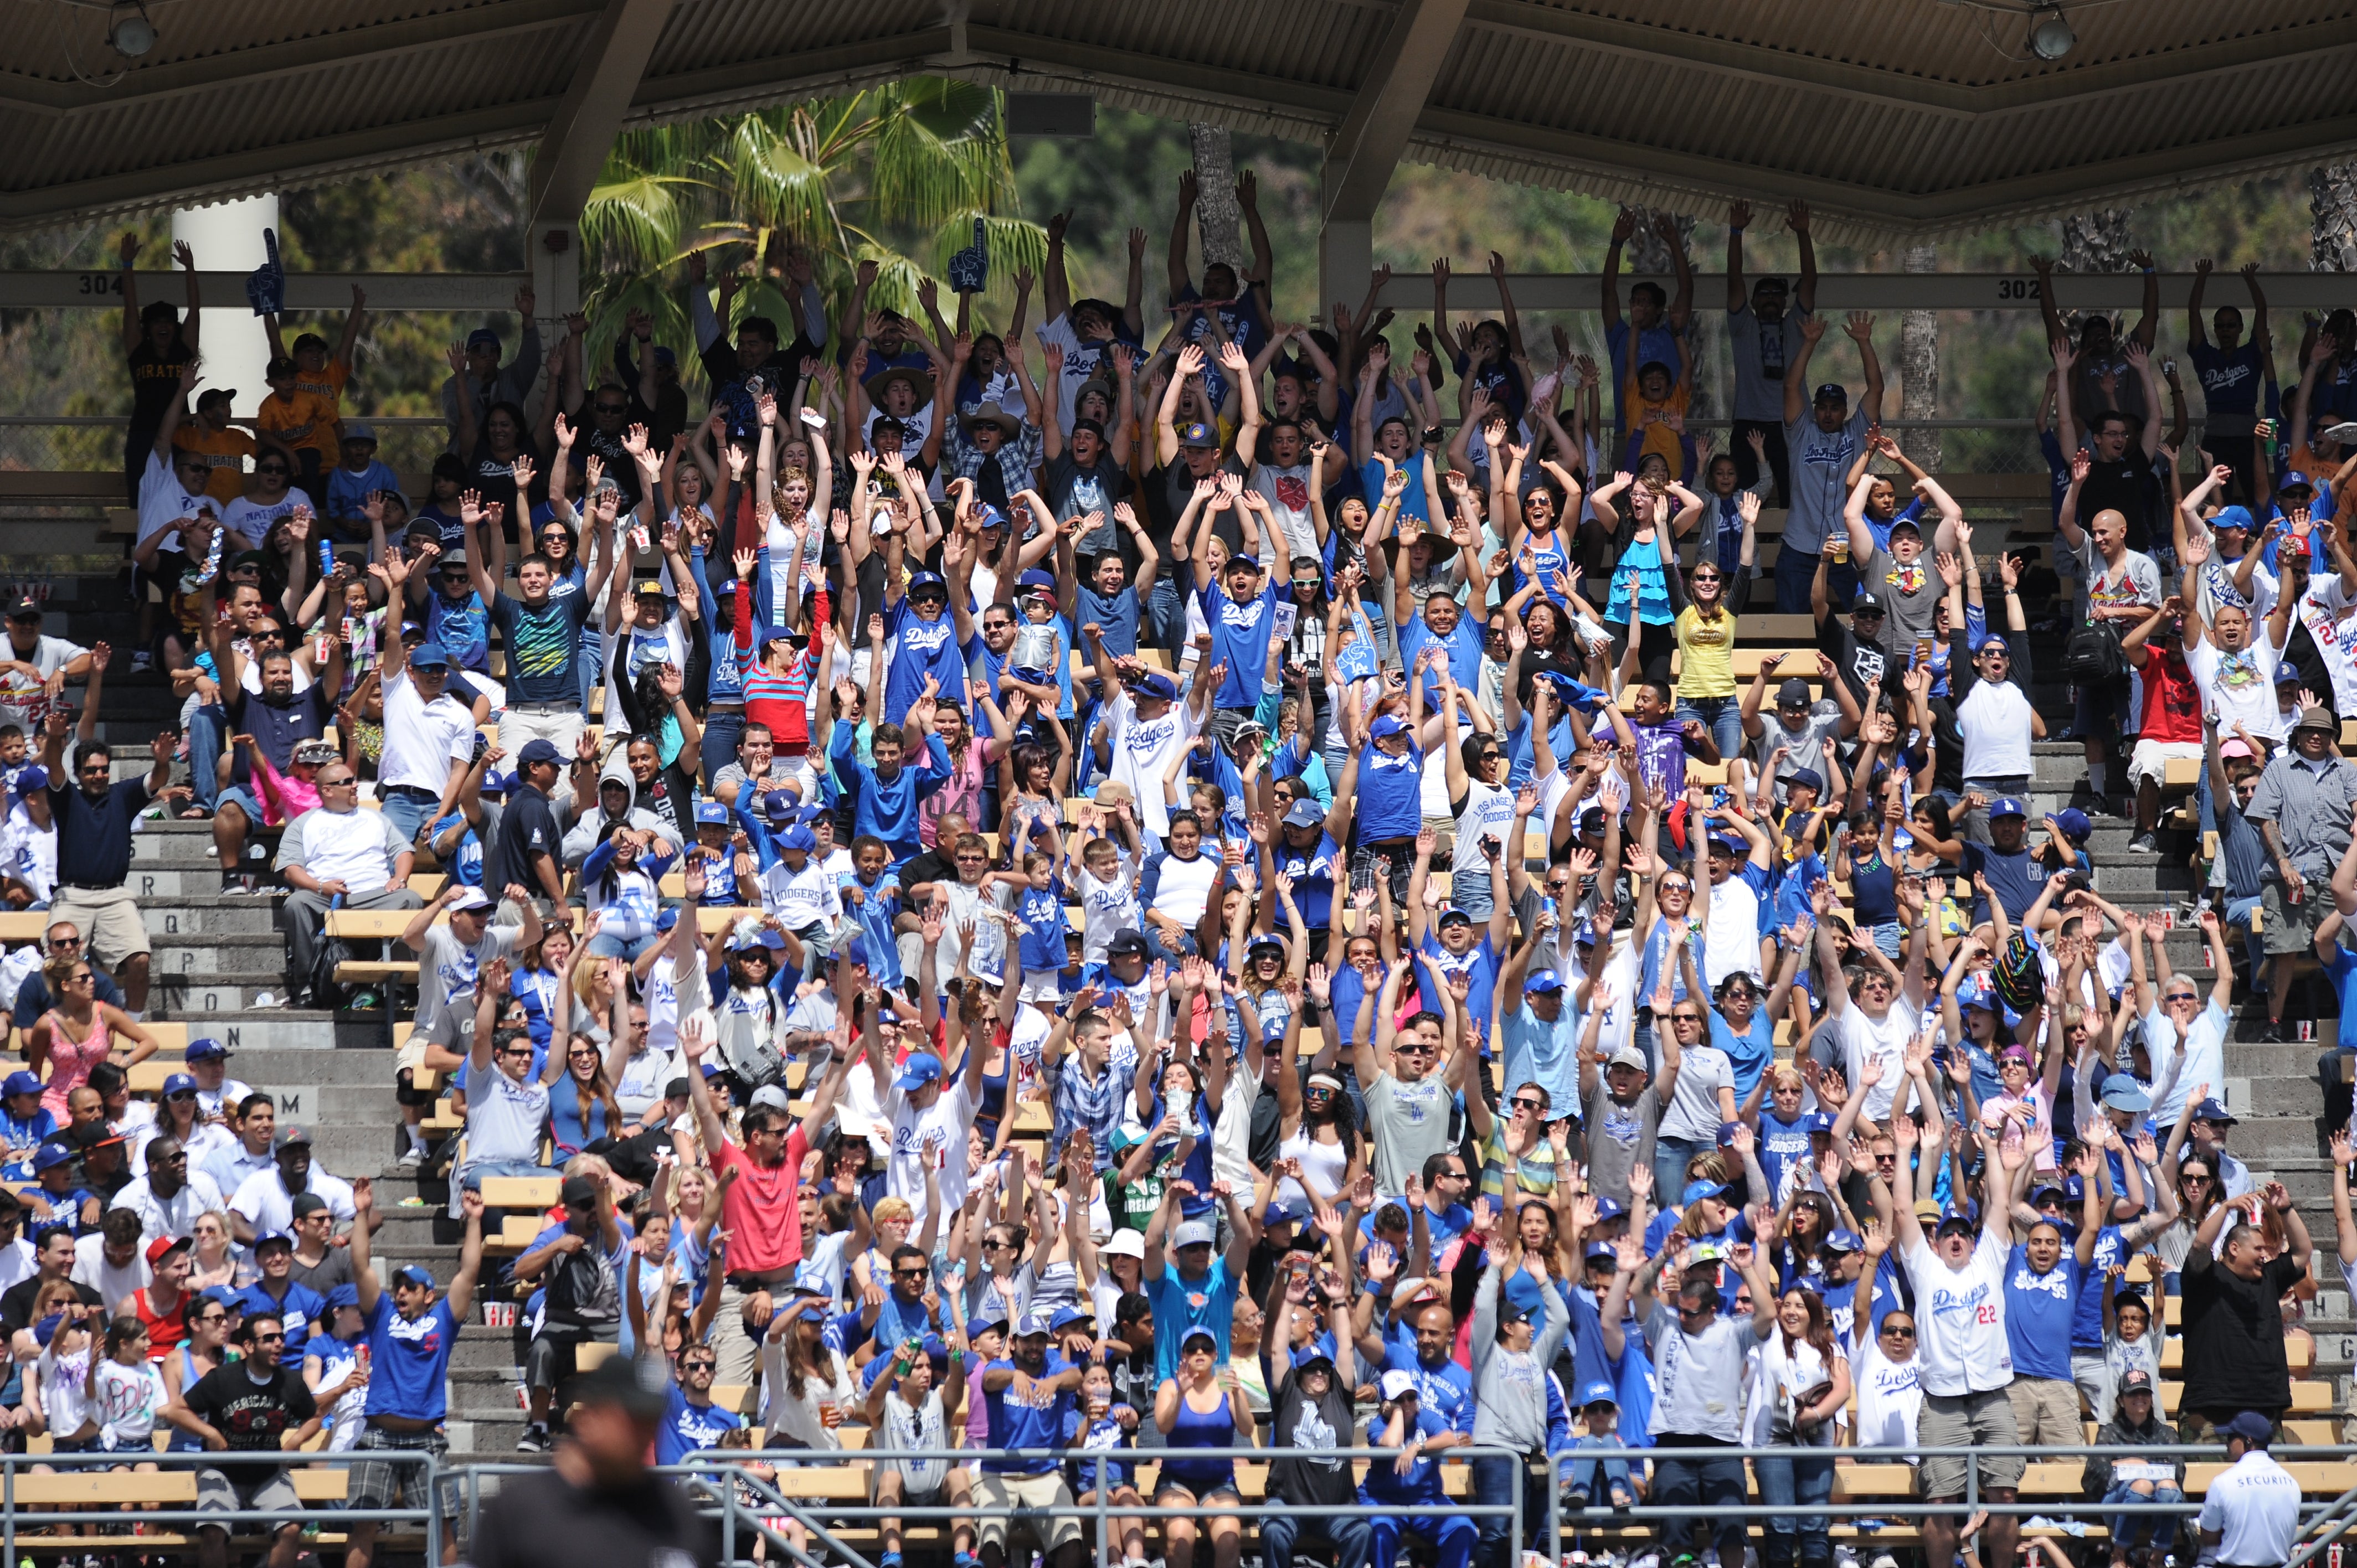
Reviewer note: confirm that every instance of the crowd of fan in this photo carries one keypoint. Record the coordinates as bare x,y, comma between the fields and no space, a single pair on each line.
1136,736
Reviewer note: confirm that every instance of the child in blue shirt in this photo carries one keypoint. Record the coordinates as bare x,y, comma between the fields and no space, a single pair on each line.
24,1126
1040,909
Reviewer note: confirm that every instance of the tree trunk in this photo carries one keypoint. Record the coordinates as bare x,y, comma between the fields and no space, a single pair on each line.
2332,219
1647,254
1217,215
1919,366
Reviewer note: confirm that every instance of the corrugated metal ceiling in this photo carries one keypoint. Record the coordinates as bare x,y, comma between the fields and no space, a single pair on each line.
1902,116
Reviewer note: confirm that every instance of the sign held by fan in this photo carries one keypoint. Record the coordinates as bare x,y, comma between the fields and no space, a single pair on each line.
970,268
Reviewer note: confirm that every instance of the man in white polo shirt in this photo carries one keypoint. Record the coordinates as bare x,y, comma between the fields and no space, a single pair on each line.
1961,1342
429,735
337,855
2251,1510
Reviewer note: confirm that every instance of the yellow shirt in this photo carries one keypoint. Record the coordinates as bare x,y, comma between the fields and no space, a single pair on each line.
224,452
1707,649
1648,429
303,419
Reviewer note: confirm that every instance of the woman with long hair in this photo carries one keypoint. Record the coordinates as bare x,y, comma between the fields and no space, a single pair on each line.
589,1116
180,1114
1319,1151
621,881
78,1032
1800,1387
1646,582
806,1389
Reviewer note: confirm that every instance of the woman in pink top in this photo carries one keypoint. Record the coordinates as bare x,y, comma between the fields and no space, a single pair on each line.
77,1034
971,756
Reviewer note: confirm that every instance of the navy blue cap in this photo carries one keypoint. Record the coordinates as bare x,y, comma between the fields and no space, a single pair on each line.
2006,806
205,1049
1831,391
928,580
178,1083
1845,1241
1153,683
345,1294
2208,1110
429,656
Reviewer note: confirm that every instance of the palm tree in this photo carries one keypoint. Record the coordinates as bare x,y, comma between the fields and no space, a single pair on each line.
896,175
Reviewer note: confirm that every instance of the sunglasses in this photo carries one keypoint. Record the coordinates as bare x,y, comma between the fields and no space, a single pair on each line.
1898,1330
1528,1105
613,408
270,1339
908,1273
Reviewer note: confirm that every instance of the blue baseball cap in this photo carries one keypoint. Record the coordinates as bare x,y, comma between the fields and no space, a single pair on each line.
281,1238
975,1328
929,580
2006,806
205,1049
345,1294
1609,1210
1697,1191
798,837
1845,1241
1600,1392
175,1083
222,1296
2231,517
1953,1216
921,1068
2073,824
857,952
1821,1121
1544,980
23,1082
55,1152
1831,391
1389,726
1036,578
483,338
429,656
777,806
2208,1110
2121,1093
1806,777
1067,1315
986,515
1153,683
1601,1250
1453,913
666,920
711,812
1728,844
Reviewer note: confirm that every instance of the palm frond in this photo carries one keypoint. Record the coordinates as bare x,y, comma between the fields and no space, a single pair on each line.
919,178
773,184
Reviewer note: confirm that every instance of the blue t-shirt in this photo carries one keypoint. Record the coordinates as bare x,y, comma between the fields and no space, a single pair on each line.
466,861
1412,499
1462,647
20,1139
1421,1486
348,493
1783,1146
1239,632
1180,1305
1042,947
917,648
2087,1321
302,1307
1522,747
543,643
1115,614
463,627
2341,970
409,1359
1033,1422
686,1428
1544,1054
1391,794
1751,1052
2038,1313
1445,1391
2231,379
1313,879
1480,961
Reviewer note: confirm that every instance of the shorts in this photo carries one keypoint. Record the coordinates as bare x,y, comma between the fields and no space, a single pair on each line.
937,1498
216,1493
112,926
1966,1421
381,1484
2150,759
2046,1411
241,796
1042,985
2290,927
1034,1495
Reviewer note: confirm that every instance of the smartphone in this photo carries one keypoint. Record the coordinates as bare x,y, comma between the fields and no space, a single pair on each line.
1491,848
813,418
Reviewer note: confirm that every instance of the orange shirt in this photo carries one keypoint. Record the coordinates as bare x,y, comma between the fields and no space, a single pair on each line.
328,387
302,419
224,452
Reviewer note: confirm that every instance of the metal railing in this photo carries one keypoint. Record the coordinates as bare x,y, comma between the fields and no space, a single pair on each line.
16,1517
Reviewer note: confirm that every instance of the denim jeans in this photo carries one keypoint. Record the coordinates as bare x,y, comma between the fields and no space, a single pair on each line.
1697,1486
1599,1478
721,734
1164,615
1722,717
2124,1526
407,810
207,727
1803,1480
604,945
1796,569
1494,1480
1281,1534
1670,1157
1453,1534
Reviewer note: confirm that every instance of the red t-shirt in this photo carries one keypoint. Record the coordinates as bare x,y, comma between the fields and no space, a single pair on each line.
761,1209
166,1331
2172,702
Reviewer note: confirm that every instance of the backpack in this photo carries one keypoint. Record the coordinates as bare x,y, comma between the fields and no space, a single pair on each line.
2092,655
582,1290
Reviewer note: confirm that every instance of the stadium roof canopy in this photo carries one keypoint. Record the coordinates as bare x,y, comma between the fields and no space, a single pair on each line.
1894,117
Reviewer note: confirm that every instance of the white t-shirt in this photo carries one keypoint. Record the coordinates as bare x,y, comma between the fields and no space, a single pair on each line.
252,519
112,1284
421,738
2254,1507
1960,1319
1142,750
164,502
1732,947
1889,1398
1490,810
1994,722
265,1201
2239,687
2324,610
914,1132
1778,1378
127,1401
1106,907
1863,1037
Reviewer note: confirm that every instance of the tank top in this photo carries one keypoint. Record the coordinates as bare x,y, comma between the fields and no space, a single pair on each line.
1215,1428
182,1442
1325,1162
71,1060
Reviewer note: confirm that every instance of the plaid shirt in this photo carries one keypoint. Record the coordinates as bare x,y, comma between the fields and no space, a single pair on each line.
1095,1108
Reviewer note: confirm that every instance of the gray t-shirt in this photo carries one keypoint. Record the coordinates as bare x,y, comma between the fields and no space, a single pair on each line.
1620,1138
1803,748
1703,1070
2134,581
447,970
1409,1123
1699,1376
1911,596
1761,350
780,769
1819,467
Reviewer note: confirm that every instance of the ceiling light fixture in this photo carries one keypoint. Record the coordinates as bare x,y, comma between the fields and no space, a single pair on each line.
129,33
2052,38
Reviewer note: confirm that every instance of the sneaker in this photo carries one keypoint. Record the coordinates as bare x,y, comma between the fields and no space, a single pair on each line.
1883,1559
534,1441
366,1002
2144,843
411,1159
1843,1557
2273,1034
142,661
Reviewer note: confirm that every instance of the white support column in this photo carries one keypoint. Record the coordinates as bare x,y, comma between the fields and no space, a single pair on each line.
227,238
1346,259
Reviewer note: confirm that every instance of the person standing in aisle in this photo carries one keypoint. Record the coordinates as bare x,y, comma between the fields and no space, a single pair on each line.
2251,1510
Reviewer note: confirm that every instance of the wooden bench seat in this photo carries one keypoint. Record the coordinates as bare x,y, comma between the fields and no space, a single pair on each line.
373,971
